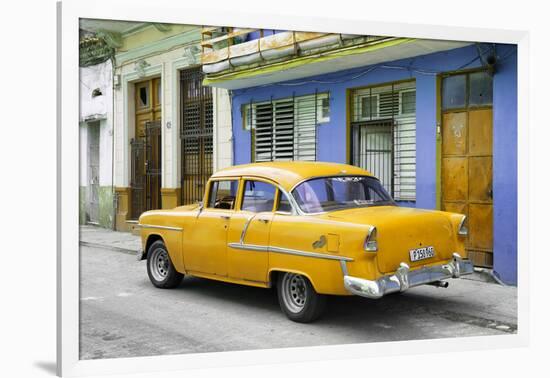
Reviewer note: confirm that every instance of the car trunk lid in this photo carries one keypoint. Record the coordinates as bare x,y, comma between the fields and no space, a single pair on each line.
401,230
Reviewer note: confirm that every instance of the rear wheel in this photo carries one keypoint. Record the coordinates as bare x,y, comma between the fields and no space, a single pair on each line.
298,299
160,269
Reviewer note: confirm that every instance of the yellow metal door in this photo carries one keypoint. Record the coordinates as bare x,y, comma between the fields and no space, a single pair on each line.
206,250
249,264
467,176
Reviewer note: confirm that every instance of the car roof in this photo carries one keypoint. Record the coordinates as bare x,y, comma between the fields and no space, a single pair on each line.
289,173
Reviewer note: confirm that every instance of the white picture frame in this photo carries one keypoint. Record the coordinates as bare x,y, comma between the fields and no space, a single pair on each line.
69,13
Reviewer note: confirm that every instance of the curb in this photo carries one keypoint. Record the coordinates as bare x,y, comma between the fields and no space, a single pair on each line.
110,247
483,275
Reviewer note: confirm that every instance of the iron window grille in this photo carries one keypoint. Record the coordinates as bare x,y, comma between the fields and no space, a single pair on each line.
383,135
196,135
145,181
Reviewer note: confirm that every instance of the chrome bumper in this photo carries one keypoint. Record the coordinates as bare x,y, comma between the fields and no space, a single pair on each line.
404,278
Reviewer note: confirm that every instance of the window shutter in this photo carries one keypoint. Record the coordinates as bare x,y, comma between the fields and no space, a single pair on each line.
389,104
283,129
262,124
286,129
305,131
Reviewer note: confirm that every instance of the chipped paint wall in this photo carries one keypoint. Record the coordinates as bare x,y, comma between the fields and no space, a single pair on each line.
96,78
96,111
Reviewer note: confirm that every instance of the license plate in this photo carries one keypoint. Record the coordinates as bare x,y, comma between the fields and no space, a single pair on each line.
422,253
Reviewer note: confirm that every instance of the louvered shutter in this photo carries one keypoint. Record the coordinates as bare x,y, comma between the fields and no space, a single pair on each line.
283,129
286,129
405,151
305,131
262,123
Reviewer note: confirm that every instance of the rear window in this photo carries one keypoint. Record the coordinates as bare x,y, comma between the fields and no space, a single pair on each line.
340,192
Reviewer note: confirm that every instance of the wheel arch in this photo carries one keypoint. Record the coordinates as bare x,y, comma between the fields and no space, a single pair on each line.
151,238
275,273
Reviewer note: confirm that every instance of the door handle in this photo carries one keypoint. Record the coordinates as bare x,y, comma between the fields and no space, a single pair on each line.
226,217
263,220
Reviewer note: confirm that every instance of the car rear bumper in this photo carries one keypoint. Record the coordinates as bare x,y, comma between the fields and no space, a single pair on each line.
405,278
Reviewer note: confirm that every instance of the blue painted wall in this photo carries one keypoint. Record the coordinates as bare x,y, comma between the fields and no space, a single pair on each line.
331,143
505,198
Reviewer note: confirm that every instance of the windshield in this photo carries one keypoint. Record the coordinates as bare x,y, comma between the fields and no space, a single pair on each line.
336,193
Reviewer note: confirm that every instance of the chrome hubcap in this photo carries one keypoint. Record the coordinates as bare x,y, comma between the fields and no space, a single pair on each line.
159,264
294,292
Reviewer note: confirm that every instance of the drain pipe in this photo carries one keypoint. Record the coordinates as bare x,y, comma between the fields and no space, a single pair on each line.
230,93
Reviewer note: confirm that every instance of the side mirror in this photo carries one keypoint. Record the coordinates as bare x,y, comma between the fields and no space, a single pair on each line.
201,206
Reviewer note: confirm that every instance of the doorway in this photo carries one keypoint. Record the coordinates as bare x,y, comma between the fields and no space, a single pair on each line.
196,135
146,148
467,158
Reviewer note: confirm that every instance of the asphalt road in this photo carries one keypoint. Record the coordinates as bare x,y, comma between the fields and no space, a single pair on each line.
123,315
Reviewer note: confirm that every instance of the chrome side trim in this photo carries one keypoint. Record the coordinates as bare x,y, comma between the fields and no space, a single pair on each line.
160,227
243,234
249,247
344,267
293,204
308,254
263,248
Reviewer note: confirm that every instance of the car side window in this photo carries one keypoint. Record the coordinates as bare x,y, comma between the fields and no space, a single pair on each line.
258,196
284,203
223,194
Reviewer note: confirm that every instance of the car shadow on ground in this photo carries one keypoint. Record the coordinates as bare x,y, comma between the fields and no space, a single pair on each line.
346,311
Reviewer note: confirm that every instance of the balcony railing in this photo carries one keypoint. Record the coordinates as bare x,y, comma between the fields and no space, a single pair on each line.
227,49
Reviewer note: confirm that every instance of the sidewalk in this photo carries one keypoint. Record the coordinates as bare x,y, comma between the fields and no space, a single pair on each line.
93,236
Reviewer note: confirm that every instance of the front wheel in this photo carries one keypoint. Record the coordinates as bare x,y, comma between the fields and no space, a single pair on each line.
298,299
160,269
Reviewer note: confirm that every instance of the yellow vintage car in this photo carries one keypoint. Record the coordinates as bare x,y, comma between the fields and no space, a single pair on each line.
311,229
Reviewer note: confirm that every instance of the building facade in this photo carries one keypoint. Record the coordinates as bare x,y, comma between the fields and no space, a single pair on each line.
436,121
166,123
96,142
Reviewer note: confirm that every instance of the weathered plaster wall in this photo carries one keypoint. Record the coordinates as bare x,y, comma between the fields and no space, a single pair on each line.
150,34
223,136
91,78
96,112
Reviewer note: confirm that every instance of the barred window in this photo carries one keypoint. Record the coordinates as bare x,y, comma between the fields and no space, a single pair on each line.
286,129
383,135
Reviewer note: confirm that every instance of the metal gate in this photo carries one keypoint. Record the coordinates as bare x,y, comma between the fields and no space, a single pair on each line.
372,149
196,135
146,170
